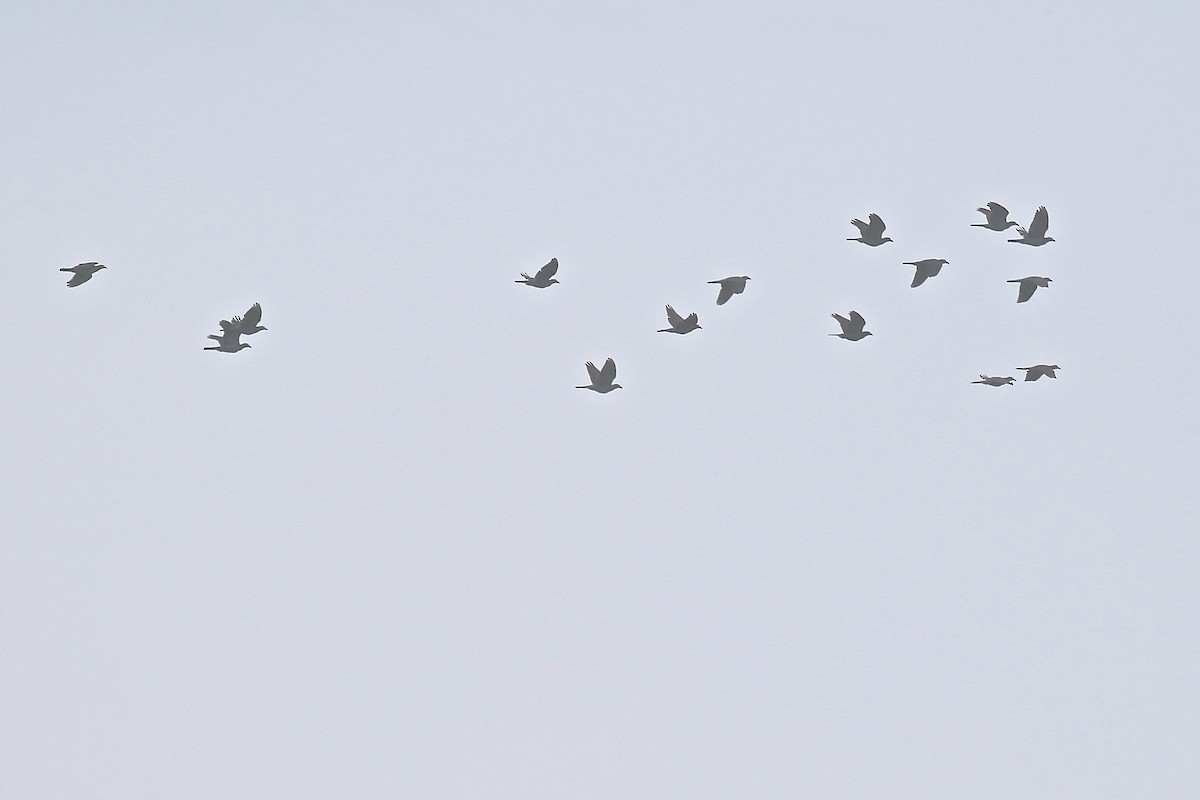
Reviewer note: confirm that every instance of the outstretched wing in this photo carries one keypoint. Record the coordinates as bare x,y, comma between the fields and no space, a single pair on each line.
252,317
594,374
674,318
862,227
1041,222
609,372
856,319
995,212
846,324
78,278
547,272
919,278
726,293
1027,289
231,325
876,227
692,319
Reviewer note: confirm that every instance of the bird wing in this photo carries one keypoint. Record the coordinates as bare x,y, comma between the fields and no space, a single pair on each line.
996,210
78,278
862,227
230,325
674,318
919,278
726,293
593,373
877,226
692,319
609,372
1026,291
547,272
857,320
252,317
845,323
1041,222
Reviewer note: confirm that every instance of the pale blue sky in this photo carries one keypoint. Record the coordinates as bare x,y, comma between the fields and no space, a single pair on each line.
389,551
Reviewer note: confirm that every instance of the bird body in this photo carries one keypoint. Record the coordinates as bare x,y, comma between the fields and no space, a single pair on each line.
870,232
730,287
245,324
227,342
681,324
926,268
602,379
83,272
1038,370
1029,286
997,218
995,381
544,277
852,328
1035,236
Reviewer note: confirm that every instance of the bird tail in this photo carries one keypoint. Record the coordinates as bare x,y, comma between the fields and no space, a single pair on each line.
67,269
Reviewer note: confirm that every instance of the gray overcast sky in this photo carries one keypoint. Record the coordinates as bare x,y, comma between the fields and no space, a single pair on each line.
389,551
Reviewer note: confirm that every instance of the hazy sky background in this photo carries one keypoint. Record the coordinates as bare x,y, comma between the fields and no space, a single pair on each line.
389,551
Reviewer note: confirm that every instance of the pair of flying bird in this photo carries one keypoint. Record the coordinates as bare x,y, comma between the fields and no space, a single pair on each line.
229,340
1031,374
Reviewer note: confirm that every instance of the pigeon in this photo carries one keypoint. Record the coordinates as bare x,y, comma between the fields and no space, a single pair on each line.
228,342
730,287
245,324
1038,370
602,379
995,381
926,268
83,272
852,328
544,276
1036,235
997,218
1029,286
870,233
681,324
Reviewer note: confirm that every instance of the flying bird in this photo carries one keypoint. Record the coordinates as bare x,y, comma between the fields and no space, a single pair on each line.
228,342
870,232
1038,370
730,287
997,218
602,379
852,328
681,324
83,272
1036,235
245,324
995,381
1029,286
926,268
544,276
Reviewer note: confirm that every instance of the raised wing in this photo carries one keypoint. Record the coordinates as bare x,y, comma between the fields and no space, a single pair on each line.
862,227
846,324
546,272
1041,222
231,325
876,226
674,318
608,373
594,374
252,317
856,319
692,319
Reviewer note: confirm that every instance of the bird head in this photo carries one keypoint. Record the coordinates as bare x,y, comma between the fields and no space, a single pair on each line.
244,345
101,266
552,280
886,239
1049,238
867,333
617,386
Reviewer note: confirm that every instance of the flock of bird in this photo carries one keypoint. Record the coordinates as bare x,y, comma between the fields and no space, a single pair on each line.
603,379
870,233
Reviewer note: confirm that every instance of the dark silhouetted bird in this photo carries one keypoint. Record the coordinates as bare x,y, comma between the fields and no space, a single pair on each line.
602,379
245,324
852,328
681,324
1038,370
1036,235
1029,286
870,232
995,381
83,272
730,287
227,342
544,276
997,218
926,268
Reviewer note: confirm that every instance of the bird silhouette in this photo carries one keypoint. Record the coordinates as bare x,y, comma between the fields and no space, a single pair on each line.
1035,236
730,287
681,324
852,328
926,268
1038,370
83,272
1029,286
544,276
870,232
245,324
228,342
997,218
602,379
995,381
